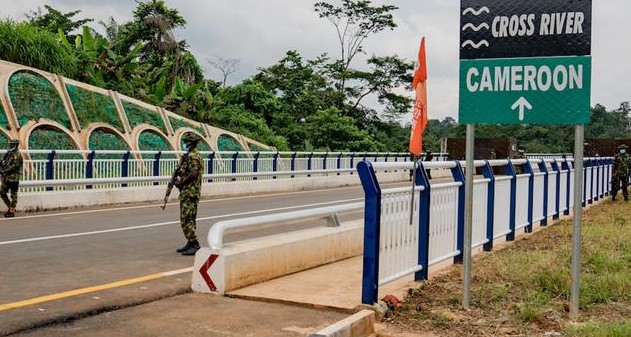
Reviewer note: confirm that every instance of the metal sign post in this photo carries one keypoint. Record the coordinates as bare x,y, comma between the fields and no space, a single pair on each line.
468,218
578,220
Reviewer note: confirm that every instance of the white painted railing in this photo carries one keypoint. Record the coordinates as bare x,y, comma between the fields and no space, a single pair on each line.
502,205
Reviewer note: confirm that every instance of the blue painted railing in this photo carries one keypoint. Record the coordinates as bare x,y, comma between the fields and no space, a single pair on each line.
498,218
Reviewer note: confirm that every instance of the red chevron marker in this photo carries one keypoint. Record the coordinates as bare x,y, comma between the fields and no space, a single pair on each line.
204,271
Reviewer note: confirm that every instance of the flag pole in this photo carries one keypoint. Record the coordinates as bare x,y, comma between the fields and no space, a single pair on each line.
414,160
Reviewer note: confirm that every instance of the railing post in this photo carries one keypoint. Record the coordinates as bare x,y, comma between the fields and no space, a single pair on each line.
509,169
339,163
598,195
372,215
527,168
50,168
309,158
235,156
459,177
255,165
546,195
557,190
156,166
125,167
326,154
352,161
423,222
89,168
211,164
566,166
293,163
275,164
487,172
585,181
590,163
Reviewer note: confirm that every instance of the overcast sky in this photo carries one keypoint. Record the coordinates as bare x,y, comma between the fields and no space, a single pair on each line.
260,32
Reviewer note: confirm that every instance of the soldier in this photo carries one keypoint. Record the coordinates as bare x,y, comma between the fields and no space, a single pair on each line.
11,170
620,174
189,182
493,154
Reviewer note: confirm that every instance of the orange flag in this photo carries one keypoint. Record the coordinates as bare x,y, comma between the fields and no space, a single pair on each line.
419,118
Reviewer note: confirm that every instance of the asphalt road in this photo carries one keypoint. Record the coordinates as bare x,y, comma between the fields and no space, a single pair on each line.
60,266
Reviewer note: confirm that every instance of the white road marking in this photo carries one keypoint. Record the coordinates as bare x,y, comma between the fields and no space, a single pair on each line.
53,237
172,203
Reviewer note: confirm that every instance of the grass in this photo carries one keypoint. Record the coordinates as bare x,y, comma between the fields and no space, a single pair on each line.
524,289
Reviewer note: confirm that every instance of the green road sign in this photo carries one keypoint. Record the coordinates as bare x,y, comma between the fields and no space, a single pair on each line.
533,90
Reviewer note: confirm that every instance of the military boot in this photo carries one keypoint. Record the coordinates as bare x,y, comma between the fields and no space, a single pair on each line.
184,248
192,249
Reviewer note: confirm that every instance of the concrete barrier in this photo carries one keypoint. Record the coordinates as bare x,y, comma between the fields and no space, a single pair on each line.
247,262
361,324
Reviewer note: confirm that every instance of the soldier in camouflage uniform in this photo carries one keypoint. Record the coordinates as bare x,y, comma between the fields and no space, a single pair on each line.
620,174
189,182
11,171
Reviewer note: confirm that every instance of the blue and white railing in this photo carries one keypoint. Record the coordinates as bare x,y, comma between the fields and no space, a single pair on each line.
55,165
509,195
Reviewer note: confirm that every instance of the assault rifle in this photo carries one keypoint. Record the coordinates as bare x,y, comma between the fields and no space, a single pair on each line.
174,176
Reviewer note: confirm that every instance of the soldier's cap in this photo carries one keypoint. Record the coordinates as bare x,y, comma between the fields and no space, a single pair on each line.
14,141
190,137
623,146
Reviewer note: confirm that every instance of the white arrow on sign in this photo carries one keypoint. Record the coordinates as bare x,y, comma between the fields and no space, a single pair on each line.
522,104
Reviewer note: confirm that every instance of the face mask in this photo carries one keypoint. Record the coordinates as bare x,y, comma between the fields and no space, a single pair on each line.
623,151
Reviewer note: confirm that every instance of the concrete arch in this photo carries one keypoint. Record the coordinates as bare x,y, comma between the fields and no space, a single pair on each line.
51,79
102,126
28,129
181,131
135,134
236,137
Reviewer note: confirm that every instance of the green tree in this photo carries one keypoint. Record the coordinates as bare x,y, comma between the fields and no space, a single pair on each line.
31,46
153,26
328,131
53,21
354,22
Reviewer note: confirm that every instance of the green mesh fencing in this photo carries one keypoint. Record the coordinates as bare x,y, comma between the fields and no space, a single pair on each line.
178,123
51,139
91,107
33,97
4,121
228,143
137,115
104,140
149,141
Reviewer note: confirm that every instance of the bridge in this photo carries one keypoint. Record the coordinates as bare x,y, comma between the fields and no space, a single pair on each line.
85,252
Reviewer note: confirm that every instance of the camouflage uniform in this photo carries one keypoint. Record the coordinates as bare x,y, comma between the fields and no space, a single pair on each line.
189,194
11,174
620,175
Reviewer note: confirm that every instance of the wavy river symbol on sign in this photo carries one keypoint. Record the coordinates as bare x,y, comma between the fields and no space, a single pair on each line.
475,12
475,45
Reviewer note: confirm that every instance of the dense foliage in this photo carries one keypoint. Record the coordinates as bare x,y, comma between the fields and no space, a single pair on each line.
351,101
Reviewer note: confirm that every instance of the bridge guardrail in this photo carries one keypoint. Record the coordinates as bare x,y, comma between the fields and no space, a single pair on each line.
217,231
505,201
73,165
